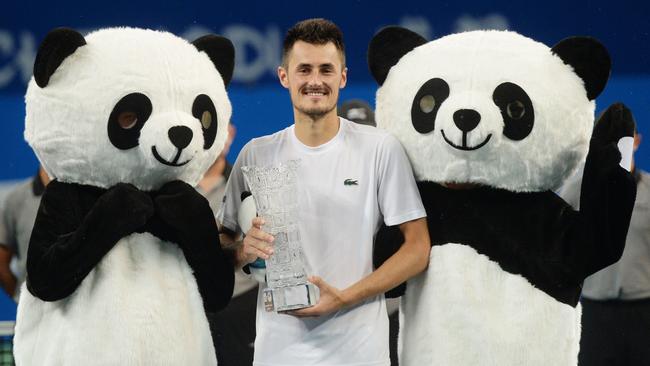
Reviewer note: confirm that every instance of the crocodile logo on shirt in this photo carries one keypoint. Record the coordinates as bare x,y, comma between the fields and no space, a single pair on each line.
350,182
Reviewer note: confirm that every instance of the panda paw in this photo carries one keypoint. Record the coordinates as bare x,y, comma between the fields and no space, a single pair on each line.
182,207
128,203
612,140
615,123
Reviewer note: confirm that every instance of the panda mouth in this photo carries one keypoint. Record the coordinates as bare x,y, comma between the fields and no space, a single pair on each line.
464,146
169,163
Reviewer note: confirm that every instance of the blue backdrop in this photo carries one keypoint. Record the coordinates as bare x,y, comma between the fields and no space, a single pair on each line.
260,105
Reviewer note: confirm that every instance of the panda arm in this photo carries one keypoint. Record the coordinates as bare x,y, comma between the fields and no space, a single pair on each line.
189,214
607,195
600,227
75,227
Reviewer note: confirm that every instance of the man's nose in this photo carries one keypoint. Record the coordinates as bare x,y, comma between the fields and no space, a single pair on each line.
315,79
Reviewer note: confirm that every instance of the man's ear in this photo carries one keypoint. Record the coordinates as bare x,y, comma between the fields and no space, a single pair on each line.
344,78
282,75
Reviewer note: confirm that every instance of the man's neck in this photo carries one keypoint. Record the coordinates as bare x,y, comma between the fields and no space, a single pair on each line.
316,131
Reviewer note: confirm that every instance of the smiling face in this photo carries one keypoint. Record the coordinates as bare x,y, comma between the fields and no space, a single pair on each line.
492,108
134,106
313,74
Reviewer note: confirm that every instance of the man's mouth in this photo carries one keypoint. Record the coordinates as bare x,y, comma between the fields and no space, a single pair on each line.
315,92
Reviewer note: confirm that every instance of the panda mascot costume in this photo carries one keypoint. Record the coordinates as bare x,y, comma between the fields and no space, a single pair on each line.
124,259
492,123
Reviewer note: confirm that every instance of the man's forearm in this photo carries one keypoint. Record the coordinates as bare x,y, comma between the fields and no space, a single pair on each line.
8,281
7,278
411,259
232,248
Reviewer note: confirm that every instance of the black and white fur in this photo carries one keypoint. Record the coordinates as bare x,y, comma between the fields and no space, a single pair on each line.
504,120
124,258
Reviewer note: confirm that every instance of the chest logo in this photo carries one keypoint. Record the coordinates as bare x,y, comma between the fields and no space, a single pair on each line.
350,182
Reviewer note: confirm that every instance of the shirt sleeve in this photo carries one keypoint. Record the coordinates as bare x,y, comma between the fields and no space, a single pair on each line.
399,198
8,221
4,235
227,215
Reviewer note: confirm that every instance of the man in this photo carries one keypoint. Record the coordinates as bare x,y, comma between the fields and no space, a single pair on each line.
616,300
19,213
351,177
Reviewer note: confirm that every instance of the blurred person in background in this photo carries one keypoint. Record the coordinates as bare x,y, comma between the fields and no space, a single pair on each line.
18,215
358,111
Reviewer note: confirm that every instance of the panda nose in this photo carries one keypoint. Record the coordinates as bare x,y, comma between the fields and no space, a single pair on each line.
466,119
180,136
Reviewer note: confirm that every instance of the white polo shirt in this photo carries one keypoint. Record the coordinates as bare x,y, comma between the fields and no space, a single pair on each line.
347,187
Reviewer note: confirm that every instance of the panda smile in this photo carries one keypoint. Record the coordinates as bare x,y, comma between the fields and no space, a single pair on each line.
169,163
464,147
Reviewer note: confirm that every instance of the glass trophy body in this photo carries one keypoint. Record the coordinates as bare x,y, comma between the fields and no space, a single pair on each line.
275,192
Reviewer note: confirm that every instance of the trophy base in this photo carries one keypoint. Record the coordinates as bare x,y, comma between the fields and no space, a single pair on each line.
291,297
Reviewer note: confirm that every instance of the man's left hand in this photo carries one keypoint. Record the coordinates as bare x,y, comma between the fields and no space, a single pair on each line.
331,300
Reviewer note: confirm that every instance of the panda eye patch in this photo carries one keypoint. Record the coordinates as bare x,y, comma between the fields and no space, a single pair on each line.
426,103
203,109
516,110
127,119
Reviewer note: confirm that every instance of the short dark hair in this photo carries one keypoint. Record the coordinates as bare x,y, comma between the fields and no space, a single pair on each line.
316,31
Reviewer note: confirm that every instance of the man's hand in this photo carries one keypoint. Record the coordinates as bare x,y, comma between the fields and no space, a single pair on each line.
256,243
331,300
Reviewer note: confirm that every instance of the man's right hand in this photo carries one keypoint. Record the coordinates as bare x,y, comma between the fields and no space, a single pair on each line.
256,244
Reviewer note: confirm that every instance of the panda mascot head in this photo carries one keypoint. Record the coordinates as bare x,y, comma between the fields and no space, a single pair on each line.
488,107
128,105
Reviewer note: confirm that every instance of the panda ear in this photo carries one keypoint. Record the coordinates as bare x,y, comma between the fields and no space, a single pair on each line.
221,53
56,47
589,59
387,47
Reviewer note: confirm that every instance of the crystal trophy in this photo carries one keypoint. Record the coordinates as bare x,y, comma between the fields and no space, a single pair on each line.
275,192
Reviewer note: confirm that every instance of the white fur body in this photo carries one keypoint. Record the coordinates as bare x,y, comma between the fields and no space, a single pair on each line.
139,306
466,310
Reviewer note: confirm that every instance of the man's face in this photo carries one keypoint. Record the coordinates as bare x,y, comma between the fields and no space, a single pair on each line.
313,74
